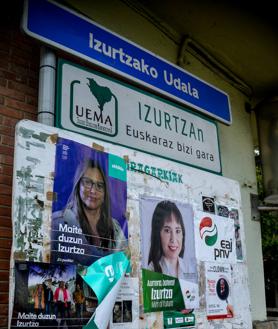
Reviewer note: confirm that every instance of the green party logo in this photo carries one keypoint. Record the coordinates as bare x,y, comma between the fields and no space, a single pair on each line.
117,167
109,272
208,231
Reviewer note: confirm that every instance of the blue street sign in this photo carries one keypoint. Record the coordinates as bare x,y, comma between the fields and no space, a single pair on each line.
62,28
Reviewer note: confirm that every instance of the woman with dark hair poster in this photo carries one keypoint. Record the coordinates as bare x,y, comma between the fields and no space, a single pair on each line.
169,269
88,220
167,240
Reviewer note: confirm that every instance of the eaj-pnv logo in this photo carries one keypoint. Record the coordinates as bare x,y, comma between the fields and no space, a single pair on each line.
208,231
93,106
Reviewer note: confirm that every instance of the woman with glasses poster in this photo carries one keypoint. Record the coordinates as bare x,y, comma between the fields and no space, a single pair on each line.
85,229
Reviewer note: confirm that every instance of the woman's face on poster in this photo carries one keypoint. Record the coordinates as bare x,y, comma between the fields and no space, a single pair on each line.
92,189
171,238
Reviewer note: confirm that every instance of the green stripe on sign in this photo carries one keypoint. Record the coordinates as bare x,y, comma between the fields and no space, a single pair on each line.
117,167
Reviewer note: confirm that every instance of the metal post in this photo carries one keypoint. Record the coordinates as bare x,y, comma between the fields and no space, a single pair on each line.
46,101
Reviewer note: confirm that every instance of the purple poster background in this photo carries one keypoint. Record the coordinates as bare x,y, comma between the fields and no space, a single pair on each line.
69,155
73,238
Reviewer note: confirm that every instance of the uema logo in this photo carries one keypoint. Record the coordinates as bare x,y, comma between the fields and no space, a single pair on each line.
94,106
208,231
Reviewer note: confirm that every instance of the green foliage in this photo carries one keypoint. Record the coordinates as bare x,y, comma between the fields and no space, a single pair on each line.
269,227
269,232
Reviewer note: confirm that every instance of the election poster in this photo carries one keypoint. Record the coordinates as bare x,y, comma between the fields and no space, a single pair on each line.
218,291
65,295
88,214
169,270
215,238
37,301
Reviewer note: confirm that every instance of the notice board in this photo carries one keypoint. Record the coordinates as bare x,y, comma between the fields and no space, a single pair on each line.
175,257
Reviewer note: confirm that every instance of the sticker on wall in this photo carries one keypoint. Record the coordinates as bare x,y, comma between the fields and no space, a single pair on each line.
88,220
235,216
214,236
169,270
218,291
222,211
208,204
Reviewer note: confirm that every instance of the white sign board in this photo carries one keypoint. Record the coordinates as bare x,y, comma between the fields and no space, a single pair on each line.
101,107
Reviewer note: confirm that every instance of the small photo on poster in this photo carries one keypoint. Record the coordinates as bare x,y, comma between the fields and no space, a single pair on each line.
122,312
168,254
126,308
118,312
88,213
218,291
127,311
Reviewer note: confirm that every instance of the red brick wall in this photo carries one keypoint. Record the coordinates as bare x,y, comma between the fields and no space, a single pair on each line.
19,71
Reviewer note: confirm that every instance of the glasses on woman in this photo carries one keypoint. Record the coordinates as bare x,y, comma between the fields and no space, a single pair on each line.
88,184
